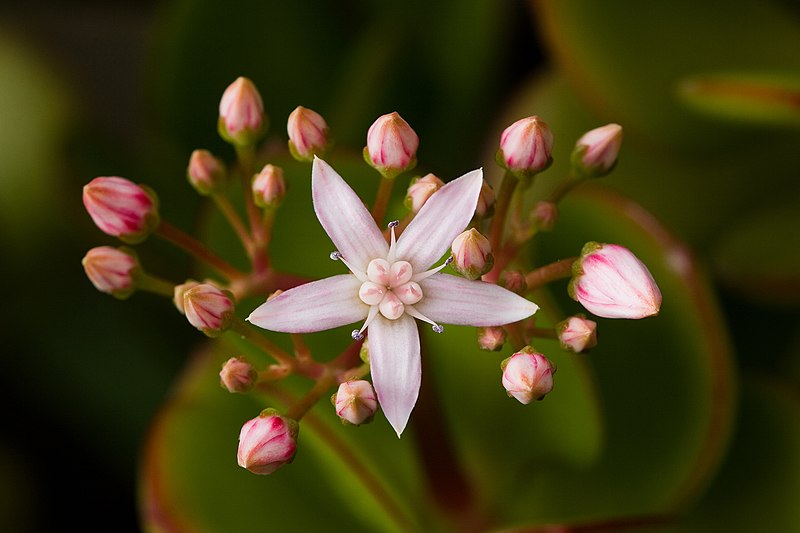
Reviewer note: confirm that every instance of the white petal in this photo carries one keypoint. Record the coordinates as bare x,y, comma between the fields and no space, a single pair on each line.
446,213
315,306
453,300
345,218
395,367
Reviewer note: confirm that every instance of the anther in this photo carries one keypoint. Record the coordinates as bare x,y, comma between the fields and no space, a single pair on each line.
394,224
357,335
336,255
437,328
449,260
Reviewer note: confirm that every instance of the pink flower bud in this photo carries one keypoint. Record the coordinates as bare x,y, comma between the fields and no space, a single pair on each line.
205,172
577,333
391,145
420,190
112,270
528,375
544,215
472,254
237,375
486,199
269,187
491,338
308,134
208,308
525,146
596,152
267,442
121,208
179,291
611,282
241,113
514,280
355,402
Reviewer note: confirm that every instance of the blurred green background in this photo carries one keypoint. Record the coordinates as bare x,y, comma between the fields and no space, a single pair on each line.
692,415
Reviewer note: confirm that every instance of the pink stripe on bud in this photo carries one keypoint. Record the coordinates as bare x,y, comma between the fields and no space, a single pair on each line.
112,270
121,208
391,145
267,442
308,134
208,308
525,145
528,375
355,402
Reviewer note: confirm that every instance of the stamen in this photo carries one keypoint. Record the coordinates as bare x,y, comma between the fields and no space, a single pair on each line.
390,256
431,272
438,328
358,334
336,255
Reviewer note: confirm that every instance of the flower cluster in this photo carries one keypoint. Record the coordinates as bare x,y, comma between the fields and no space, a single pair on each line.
452,259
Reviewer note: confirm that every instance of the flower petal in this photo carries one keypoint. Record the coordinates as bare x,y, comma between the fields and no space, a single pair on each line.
395,367
316,306
446,213
345,218
453,300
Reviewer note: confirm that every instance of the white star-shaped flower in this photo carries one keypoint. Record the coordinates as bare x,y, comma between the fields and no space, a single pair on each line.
391,284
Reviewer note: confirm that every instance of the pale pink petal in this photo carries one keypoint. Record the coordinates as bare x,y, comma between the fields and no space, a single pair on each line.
395,367
446,213
316,306
345,218
454,300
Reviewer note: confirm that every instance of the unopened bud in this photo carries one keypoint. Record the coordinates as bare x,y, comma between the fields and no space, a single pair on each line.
269,187
596,152
241,113
611,282
420,190
121,208
544,215
525,146
355,402
528,375
577,333
491,338
513,280
208,308
267,442
205,172
472,254
391,145
112,270
237,375
486,199
308,134
179,291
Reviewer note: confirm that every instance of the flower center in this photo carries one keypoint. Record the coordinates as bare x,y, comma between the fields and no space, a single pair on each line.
390,286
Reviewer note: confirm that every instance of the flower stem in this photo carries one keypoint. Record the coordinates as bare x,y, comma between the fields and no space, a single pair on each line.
544,333
197,249
322,386
246,156
235,221
156,285
270,348
382,199
507,187
563,188
541,276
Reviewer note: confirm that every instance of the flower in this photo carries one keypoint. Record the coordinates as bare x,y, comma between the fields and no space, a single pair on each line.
112,270
267,442
391,145
269,187
390,284
595,153
241,113
528,375
237,375
208,308
525,146
308,134
611,282
577,333
205,172
121,208
472,254
355,402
